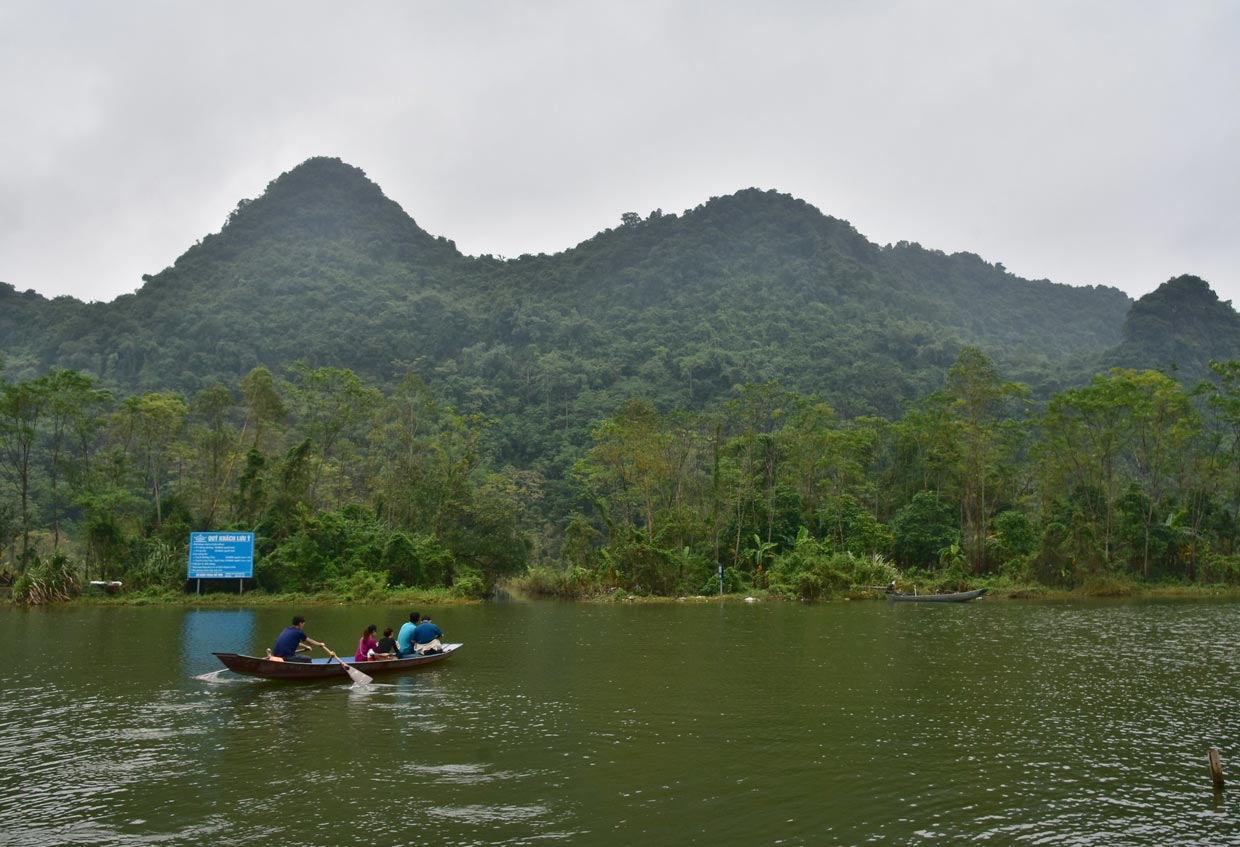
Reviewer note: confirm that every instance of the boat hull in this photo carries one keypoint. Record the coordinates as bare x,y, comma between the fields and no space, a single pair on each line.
326,669
958,597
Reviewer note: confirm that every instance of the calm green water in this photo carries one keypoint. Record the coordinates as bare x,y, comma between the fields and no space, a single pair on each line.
863,723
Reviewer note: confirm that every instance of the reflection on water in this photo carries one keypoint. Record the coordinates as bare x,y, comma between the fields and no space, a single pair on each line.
207,631
1001,723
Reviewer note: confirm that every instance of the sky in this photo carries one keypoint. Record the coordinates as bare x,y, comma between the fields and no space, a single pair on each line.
1090,143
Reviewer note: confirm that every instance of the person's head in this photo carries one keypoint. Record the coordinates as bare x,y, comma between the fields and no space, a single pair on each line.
371,629
413,617
299,622
387,632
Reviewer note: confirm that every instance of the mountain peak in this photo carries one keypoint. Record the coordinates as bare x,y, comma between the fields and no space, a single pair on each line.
321,208
1179,326
324,197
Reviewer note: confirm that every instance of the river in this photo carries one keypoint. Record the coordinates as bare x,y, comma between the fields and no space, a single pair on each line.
997,722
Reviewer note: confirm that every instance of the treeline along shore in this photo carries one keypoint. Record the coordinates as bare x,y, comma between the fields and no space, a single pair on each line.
357,490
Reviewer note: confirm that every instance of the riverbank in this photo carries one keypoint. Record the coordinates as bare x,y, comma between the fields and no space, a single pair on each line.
515,590
253,599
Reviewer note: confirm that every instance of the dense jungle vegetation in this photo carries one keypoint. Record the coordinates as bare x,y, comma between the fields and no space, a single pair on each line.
749,383
352,489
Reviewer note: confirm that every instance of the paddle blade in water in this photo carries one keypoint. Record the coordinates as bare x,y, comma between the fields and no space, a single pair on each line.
357,676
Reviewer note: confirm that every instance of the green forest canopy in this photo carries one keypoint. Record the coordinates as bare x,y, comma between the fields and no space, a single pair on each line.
259,382
352,488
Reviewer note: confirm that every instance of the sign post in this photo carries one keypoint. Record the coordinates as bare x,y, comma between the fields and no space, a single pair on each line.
221,555
721,579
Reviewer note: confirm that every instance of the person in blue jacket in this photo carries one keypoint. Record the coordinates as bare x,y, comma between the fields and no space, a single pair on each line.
289,642
426,637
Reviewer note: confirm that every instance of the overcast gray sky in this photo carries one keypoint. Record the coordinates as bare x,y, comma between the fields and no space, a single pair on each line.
1087,143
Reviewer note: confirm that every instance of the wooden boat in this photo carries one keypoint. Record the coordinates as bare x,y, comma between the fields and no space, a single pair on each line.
958,597
326,669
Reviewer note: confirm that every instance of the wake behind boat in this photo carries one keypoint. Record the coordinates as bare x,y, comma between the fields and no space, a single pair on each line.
327,669
957,597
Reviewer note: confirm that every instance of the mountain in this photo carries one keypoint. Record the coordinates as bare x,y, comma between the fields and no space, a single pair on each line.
323,266
1178,328
756,286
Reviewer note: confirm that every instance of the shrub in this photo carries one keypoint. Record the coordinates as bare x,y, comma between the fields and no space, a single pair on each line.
469,584
361,585
810,571
1014,537
48,581
853,528
162,565
400,560
643,569
1216,568
921,529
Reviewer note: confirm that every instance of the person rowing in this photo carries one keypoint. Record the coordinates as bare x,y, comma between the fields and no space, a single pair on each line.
289,642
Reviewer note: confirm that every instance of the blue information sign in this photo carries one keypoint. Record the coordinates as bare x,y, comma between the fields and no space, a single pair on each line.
221,555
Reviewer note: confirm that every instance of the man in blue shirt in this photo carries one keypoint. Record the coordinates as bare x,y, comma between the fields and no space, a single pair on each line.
426,637
290,639
404,639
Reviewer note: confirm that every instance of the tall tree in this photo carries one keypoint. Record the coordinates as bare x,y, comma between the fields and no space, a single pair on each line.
150,425
264,406
330,404
981,406
74,412
22,407
213,447
1163,425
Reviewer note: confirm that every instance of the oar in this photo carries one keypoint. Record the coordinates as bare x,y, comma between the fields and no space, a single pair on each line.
357,676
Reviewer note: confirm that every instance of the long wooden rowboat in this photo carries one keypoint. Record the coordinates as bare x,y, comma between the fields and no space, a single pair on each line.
958,597
326,669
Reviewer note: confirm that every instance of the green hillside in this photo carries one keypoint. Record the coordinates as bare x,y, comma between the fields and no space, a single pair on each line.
748,382
752,287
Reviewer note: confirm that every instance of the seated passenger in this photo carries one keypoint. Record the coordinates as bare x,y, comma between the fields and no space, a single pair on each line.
386,648
404,640
426,637
366,644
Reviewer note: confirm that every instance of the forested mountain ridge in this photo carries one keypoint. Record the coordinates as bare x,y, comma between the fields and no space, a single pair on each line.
751,287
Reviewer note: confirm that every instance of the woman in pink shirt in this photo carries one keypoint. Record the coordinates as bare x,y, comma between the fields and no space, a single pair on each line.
366,643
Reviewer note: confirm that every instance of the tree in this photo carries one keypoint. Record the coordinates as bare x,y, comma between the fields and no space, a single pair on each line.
1223,400
626,465
22,407
922,529
1126,427
981,406
150,426
1163,425
329,403
264,406
74,413
213,449
811,446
